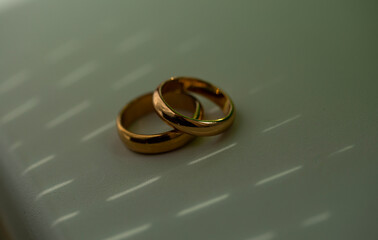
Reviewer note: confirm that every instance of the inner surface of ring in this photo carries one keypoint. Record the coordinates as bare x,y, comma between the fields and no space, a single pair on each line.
143,105
207,90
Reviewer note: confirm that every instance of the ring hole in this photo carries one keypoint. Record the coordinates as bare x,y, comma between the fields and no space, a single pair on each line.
216,105
212,110
182,104
150,123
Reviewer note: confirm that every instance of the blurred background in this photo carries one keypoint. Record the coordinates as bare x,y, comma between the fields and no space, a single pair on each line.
300,161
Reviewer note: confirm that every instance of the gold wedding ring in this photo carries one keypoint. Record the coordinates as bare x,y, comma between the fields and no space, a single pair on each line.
191,125
155,143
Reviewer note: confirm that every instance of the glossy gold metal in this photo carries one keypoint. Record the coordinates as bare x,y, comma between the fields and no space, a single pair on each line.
190,125
155,143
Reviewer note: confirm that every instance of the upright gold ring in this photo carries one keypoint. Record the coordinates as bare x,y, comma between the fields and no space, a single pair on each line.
155,143
192,125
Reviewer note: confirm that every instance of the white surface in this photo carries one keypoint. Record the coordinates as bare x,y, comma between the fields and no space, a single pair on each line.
299,163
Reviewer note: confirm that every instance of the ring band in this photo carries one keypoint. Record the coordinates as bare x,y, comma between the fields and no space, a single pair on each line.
155,143
190,125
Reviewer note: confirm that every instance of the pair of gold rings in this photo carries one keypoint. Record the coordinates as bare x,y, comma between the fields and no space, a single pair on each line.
170,95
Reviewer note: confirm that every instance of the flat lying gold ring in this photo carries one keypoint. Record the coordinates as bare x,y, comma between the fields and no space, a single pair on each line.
187,124
155,143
